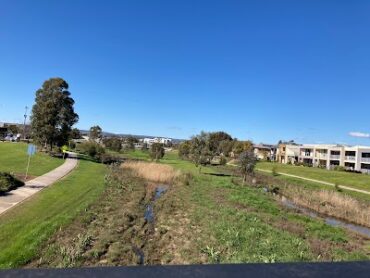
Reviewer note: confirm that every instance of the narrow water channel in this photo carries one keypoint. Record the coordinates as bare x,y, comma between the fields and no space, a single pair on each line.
149,211
149,216
328,220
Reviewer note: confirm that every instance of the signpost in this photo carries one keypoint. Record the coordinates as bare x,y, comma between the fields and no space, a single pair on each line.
30,151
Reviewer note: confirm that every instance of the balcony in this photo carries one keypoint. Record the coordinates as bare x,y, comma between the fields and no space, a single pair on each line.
349,157
334,156
365,159
309,155
321,155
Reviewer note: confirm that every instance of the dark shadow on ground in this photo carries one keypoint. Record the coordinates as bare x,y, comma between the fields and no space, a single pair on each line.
220,174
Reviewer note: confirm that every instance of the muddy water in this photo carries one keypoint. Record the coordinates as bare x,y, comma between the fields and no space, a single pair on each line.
149,212
149,217
328,220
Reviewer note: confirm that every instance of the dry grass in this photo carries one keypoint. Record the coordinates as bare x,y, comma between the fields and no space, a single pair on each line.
332,203
153,172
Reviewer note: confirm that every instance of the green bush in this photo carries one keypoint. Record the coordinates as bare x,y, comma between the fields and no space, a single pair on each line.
109,159
223,160
339,168
274,171
92,149
8,182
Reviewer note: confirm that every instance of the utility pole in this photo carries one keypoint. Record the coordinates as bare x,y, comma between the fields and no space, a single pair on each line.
24,123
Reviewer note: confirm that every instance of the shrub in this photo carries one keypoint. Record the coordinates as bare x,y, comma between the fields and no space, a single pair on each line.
339,168
8,182
92,149
274,171
156,151
109,159
114,144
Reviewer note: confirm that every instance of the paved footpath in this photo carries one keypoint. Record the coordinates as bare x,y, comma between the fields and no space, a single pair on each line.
312,180
31,187
318,181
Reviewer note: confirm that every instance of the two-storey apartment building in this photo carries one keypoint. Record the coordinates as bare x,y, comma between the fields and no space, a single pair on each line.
355,158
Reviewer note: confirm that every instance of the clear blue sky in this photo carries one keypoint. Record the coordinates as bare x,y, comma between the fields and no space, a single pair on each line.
260,70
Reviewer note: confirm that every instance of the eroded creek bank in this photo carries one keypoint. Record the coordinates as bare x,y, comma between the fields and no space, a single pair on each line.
133,222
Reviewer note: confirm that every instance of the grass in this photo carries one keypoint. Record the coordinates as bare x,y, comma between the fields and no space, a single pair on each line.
359,181
26,227
211,218
14,158
244,224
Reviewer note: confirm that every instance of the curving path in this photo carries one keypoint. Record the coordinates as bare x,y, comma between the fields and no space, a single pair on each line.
318,181
312,180
31,187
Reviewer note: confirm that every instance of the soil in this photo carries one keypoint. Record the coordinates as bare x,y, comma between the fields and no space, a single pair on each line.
113,230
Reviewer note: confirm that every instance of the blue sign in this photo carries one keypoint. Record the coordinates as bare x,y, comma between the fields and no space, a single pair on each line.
31,149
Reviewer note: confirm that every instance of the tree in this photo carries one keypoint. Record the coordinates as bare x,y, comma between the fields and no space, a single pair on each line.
215,139
129,143
226,147
247,162
53,113
156,151
96,133
92,149
114,144
200,151
241,146
14,129
184,149
75,133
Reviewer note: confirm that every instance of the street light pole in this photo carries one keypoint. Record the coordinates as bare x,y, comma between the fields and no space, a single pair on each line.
24,123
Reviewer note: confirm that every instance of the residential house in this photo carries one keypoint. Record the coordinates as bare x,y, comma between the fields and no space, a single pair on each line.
265,152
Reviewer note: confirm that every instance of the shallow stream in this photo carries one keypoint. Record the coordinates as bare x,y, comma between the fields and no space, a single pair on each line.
328,220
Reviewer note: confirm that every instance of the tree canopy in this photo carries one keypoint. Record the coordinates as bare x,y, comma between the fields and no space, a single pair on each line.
96,133
156,151
53,113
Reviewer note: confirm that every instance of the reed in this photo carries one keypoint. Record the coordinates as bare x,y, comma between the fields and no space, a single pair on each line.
332,203
153,172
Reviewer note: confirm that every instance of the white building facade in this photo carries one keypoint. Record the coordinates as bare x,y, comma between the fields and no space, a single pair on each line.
356,158
161,140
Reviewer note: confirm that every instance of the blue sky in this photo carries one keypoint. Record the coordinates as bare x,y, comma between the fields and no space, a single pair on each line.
260,70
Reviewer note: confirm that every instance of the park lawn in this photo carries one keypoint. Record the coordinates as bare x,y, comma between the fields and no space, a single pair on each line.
14,158
27,226
359,181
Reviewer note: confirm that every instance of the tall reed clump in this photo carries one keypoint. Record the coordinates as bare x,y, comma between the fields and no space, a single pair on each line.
332,203
153,172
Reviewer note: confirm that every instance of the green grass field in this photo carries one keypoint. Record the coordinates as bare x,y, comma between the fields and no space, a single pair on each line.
25,228
14,158
360,181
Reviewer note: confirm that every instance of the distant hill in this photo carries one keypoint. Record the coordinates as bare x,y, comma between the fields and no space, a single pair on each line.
108,134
